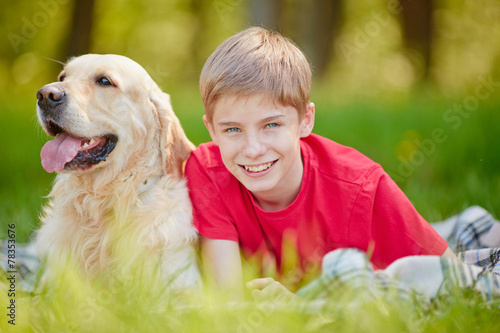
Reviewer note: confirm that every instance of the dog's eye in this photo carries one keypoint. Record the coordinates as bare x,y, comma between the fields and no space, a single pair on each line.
104,81
61,77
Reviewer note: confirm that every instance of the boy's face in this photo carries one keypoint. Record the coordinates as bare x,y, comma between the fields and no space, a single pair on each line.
259,142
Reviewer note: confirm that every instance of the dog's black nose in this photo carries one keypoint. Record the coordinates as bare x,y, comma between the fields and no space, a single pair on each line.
50,96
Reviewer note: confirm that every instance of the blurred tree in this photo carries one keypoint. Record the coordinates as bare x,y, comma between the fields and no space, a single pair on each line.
267,13
200,10
313,25
79,37
417,26
316,32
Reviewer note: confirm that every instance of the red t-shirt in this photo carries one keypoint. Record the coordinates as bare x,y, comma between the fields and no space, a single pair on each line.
345,200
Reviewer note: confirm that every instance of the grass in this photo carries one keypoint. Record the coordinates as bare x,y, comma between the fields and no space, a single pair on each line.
141,305
441,179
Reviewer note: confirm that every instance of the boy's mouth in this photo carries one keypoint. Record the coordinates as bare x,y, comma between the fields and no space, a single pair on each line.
259,167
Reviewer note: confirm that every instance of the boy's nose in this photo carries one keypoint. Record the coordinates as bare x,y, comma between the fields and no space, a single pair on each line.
253,147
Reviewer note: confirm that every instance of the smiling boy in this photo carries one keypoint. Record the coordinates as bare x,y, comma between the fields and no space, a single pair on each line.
265,180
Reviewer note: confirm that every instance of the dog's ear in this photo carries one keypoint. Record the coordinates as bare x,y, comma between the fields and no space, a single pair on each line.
175,146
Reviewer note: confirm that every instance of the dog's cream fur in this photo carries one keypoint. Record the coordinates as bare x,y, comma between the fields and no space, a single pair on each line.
131,211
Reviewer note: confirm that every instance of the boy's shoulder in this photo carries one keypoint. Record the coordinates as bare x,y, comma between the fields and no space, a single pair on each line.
332,159
208,155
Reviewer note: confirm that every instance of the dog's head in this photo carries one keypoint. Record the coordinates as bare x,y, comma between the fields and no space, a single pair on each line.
106,109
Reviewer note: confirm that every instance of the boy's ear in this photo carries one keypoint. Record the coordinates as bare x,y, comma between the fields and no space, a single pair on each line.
307,123
210,129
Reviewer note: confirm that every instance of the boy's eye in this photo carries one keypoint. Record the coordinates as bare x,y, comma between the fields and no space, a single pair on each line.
273,125
232,130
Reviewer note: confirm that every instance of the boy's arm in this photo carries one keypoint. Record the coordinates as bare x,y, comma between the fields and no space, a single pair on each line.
222,267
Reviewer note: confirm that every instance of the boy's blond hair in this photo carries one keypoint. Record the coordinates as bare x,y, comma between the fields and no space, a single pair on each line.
255,61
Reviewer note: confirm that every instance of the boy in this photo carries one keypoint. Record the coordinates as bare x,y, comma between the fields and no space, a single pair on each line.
266,182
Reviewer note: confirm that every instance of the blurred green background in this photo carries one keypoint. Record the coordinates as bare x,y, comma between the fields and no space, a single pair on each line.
412,84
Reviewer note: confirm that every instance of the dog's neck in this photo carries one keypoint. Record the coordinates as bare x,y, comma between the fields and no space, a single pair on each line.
103,206
147,184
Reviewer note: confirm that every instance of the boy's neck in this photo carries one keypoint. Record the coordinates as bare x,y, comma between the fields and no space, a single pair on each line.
272,206
282,198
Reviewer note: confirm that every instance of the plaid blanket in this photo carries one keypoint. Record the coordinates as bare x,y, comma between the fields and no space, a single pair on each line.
474,235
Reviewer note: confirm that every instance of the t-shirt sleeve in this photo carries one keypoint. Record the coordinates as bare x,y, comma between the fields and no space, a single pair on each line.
386,218
210,214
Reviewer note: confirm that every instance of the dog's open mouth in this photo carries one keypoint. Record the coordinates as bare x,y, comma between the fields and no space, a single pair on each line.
74,153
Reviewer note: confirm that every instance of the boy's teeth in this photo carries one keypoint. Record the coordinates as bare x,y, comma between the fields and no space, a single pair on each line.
258,168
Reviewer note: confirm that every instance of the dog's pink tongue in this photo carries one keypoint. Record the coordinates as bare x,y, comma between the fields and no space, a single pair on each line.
56,153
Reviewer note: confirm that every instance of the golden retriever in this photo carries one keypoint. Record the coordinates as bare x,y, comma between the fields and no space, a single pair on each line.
119,201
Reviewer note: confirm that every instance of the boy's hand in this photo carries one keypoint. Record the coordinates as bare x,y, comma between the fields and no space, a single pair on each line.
269,289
